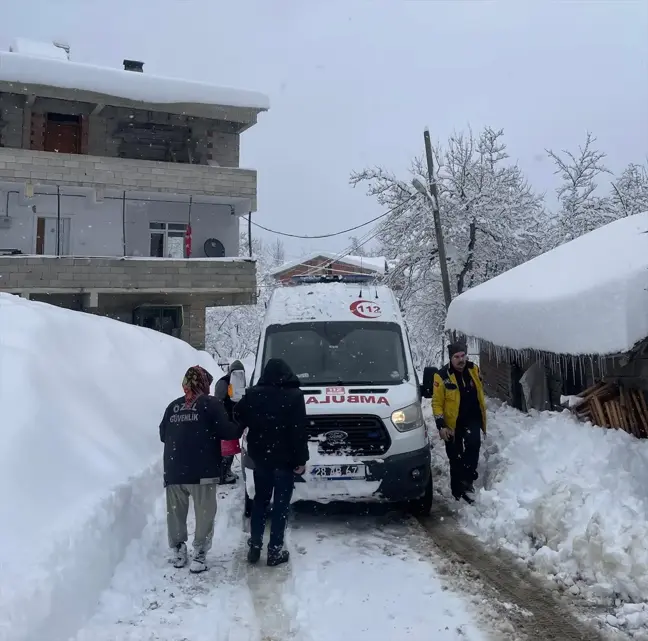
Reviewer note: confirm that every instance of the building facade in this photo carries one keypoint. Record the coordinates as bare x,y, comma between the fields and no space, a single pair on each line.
329,264
121,192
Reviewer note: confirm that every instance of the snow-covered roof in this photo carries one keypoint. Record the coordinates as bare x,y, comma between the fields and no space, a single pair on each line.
36,64
332,302
39,49
586,297
373,263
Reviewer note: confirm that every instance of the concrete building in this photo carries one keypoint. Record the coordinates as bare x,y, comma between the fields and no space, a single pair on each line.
121,192
330,264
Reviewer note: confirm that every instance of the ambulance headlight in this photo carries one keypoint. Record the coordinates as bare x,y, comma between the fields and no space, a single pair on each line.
408,418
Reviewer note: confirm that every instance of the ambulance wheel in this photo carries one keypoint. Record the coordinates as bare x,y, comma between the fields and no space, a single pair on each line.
247,512
423,505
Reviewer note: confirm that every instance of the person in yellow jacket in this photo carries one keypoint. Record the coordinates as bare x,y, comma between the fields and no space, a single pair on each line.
459,410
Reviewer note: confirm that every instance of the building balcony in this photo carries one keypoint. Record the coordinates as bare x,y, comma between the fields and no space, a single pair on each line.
214,281
122,174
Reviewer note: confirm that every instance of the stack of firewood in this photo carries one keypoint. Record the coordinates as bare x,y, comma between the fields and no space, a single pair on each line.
615,406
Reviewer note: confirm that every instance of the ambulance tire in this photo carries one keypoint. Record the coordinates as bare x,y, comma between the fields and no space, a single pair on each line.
422,506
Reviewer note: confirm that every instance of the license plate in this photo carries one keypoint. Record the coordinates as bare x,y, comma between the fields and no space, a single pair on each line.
338,472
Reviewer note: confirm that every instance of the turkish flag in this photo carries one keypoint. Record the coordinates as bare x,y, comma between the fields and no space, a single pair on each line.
188,242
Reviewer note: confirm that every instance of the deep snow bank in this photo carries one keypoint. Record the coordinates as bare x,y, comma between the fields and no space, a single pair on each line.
81,398
569,498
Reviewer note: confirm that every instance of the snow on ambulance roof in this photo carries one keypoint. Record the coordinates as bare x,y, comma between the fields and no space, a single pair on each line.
374,263
39,66
332,302
588,296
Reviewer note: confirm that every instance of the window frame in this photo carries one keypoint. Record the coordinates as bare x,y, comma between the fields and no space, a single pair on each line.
166,230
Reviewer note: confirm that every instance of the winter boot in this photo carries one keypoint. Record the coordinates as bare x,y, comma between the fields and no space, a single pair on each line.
277,556
179,559
198,563
254,553
467,498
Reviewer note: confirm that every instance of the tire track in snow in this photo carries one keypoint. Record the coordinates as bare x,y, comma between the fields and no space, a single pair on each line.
267,586
550,620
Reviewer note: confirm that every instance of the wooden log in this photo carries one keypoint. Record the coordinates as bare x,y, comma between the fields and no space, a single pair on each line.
625,418
642,401
587,392
608,393
597,390
637,397
617,416
641,422
598,413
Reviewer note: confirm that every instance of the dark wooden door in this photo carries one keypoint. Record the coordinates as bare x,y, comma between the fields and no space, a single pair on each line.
63,134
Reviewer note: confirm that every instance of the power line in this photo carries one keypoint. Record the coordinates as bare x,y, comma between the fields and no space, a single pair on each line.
368,237
337,233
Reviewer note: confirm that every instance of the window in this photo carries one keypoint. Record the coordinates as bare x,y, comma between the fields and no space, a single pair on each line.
167,240
340,352
165,319
53,236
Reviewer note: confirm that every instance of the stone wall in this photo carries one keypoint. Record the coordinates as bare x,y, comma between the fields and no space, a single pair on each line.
48,168
45,273
213,141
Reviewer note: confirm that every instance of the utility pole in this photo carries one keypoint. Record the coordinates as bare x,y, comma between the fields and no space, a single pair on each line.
432,195
250,233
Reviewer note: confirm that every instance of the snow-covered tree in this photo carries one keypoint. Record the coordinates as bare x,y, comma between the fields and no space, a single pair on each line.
357,247
233,331
581,209
491,218
630,191
277,252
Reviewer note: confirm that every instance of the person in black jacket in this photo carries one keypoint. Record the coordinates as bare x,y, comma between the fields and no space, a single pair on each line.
191,430
221,392
274,412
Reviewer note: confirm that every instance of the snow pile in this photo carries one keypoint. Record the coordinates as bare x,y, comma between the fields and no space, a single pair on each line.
588,296
568,498
31,68
81,398
38,49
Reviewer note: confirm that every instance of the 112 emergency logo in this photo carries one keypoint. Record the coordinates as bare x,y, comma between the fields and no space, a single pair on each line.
365,309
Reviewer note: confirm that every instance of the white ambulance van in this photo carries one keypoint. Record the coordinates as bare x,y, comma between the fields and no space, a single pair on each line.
347,344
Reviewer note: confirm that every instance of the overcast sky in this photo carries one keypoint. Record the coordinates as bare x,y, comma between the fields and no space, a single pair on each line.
353,83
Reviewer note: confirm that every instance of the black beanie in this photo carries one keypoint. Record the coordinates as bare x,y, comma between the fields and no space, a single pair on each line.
457,346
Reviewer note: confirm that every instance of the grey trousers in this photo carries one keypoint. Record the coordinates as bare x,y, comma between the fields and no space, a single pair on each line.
204,500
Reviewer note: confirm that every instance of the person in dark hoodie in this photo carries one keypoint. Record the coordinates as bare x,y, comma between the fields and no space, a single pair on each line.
192,429
274,412
222,393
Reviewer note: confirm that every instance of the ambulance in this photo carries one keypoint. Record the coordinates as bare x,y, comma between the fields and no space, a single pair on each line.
346,341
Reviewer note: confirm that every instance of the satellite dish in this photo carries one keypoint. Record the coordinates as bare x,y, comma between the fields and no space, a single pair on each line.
214,248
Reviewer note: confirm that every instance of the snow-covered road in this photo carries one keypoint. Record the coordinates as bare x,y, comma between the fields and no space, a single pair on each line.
364,577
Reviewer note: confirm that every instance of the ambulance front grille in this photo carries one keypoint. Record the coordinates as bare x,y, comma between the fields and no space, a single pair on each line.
364,435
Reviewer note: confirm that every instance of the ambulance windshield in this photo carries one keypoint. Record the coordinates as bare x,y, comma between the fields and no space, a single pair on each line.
340,353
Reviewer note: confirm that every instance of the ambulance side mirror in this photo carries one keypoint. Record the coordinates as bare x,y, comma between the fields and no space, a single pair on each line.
427,386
